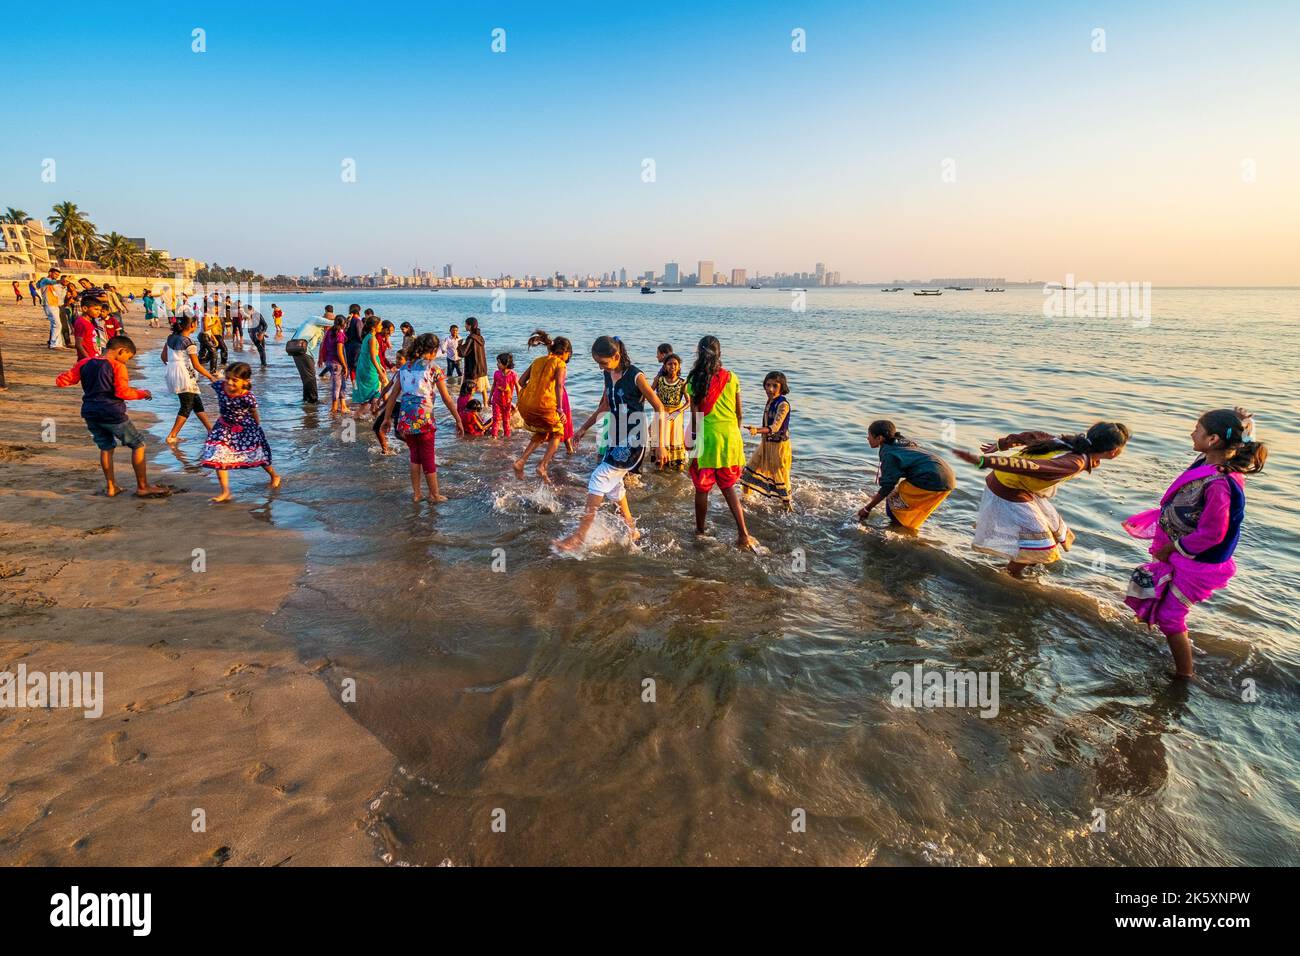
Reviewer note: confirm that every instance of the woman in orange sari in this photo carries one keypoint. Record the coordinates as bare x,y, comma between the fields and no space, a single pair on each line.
541,401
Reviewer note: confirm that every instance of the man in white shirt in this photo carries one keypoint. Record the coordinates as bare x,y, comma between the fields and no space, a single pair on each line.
450,345
51,290
303,347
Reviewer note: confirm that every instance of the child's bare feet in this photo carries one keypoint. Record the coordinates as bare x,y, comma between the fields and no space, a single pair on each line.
570,543
224,496
747,543
543,474
275,481
173,439
518,466
437,498
152,491
112,490
634,535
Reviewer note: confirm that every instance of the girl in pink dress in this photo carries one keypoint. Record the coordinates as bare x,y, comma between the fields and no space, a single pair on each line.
505,386
1195,530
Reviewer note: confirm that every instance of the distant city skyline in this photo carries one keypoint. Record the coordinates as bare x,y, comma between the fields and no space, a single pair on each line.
1123,142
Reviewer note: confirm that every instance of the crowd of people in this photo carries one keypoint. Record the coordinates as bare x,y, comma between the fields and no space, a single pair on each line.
669,419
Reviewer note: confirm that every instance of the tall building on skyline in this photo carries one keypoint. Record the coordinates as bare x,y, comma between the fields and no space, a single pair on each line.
446,271
738,277
672,274
705,272
622,274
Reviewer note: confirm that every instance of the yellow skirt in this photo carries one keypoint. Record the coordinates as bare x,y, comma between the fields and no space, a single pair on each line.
768,471
910,505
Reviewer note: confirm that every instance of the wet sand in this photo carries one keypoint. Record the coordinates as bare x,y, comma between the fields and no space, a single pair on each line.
205,708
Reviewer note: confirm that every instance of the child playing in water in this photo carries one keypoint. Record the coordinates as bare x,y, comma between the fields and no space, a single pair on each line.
719,449
277,316
1195,530
468,408
333,356
383,421
913,481
1017,519
237,439
505,385
671,389
625,394
542,401
181,356
768,471
106,388
412,403
385,340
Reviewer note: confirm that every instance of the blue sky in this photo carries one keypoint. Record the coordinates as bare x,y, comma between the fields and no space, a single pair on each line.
1124,164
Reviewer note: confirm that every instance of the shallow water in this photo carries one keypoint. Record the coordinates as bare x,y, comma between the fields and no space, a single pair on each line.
521,689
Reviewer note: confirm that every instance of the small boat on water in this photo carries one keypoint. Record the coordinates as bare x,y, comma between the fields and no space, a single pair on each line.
898,289
646,290
928,292
995,290
756,287
670,290
963,288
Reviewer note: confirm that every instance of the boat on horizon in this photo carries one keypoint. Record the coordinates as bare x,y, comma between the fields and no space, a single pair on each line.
995,290
646,290
897,289
670,290
928,292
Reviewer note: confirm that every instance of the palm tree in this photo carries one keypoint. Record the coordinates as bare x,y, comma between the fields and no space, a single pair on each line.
118,253
153,263
15,216
74,234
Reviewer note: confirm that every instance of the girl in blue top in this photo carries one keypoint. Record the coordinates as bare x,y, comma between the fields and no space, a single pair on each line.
625,396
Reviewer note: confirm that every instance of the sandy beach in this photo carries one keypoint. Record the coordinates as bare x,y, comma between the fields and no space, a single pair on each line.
204,708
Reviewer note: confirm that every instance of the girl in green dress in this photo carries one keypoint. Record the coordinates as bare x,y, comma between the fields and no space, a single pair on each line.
371,379
719,449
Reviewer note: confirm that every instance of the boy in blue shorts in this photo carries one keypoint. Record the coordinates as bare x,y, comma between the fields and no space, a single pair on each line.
106,388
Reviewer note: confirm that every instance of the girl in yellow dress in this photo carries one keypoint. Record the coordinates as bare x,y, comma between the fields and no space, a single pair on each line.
670,388
768,471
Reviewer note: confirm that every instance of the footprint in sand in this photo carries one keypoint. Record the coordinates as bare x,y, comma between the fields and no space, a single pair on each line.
218,857
120,752
163,648
241,667
12,452
153,703
263,773
244,699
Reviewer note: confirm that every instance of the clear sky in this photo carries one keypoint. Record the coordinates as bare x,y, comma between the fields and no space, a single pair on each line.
1130,164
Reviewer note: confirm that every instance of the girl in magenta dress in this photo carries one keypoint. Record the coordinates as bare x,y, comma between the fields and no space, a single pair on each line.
1195,530
237,439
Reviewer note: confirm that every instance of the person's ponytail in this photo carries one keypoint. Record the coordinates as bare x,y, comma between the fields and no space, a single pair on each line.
1097,440
1247,458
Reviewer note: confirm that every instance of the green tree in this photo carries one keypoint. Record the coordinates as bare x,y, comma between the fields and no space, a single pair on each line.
16,216
74,234
118,253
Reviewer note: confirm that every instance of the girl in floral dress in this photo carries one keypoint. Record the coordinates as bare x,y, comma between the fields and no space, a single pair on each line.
237,439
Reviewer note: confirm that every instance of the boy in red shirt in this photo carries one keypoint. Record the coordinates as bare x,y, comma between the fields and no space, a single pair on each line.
94,306
106,389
